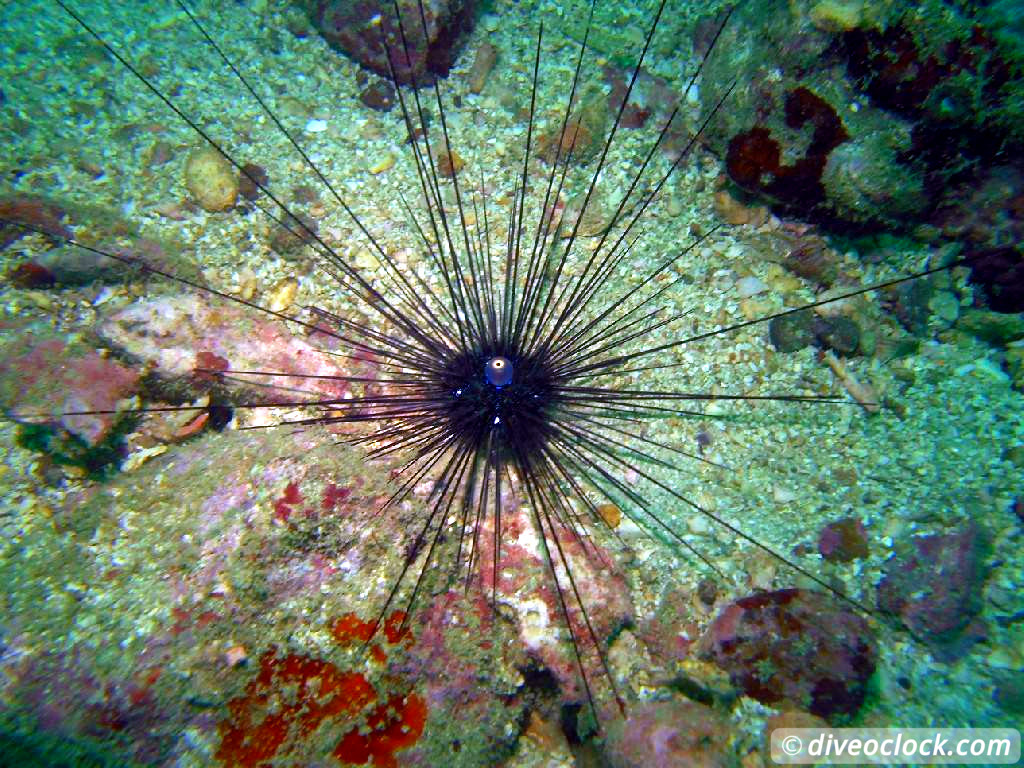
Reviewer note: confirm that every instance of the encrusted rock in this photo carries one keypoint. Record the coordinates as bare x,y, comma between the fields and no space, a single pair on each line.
843,540
788,333
483,63
796,647
368,31
379,95
179,335
934,584
677,733
49,382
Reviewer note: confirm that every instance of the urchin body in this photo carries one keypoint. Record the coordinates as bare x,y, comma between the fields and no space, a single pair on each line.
493,397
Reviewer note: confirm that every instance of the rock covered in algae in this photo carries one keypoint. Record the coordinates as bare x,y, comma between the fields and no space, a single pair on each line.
861,114
368,31
934,584
216,599
48,381
796,647
187,339
678,733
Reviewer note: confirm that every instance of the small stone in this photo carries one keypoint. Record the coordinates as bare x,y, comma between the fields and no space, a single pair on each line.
946,306
610,513
674,206
288,242
698,525
782,495
71,265
449,163
677,732
379,96
592,221
788,333
843,540
384,163
235,655
837,16
935,585
732,211
247,287
316,126
749,286
548,739
283,294
840,334
253,177
707,592
811,259
486,57
211,180
137,458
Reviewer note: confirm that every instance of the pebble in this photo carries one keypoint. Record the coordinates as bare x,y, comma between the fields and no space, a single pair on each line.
674,206
698,525
247,286
138,458
610,513
379,96
316,126
840,334
384,163
449,163
483,63
71,265
235,655
211,180
283,294
732,211
593,220
750,286
834,16
782,495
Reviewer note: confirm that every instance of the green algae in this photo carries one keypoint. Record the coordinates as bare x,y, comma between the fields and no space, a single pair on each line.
99,462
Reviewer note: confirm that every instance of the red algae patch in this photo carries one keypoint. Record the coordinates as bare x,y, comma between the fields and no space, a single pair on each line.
276,719
394,725
290,698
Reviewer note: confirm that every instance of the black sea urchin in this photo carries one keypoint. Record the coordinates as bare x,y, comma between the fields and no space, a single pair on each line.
506,357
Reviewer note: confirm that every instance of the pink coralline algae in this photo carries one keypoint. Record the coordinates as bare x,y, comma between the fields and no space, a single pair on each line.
670,734
934,585
457,662
186,337
49,381
524,583
795,647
